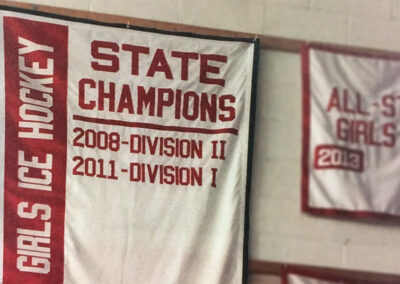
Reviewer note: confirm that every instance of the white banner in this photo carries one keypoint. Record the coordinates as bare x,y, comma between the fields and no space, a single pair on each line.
301,275
301,279
351,116
124,153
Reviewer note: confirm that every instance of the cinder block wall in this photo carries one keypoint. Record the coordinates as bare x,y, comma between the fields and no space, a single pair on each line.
279,231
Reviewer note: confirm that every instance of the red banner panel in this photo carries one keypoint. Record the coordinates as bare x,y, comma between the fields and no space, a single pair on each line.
35,68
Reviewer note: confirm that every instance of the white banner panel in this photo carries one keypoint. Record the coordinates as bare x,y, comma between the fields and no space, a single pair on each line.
125,152
351,116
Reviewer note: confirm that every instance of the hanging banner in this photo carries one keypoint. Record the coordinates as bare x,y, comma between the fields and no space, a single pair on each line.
124,153
301,279
300,275
306,277
351,134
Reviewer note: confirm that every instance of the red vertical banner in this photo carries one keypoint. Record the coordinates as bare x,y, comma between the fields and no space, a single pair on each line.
36,71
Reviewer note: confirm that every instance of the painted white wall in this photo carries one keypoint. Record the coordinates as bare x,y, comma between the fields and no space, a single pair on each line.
279,231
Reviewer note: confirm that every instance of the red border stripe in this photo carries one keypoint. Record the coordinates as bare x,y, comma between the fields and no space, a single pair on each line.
23,261
306,126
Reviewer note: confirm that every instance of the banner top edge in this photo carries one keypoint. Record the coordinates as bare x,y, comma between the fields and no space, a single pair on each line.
251,40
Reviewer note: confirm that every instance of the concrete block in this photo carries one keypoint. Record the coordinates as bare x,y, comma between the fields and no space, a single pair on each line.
339,7
279,179
371,8
279,94
374,34
272,135
390,234
268,247
154,10
245,16
41,2
256,16
377,258
73,4
395,13
351,8
357,232
306,25
289,249
298,4
312,252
